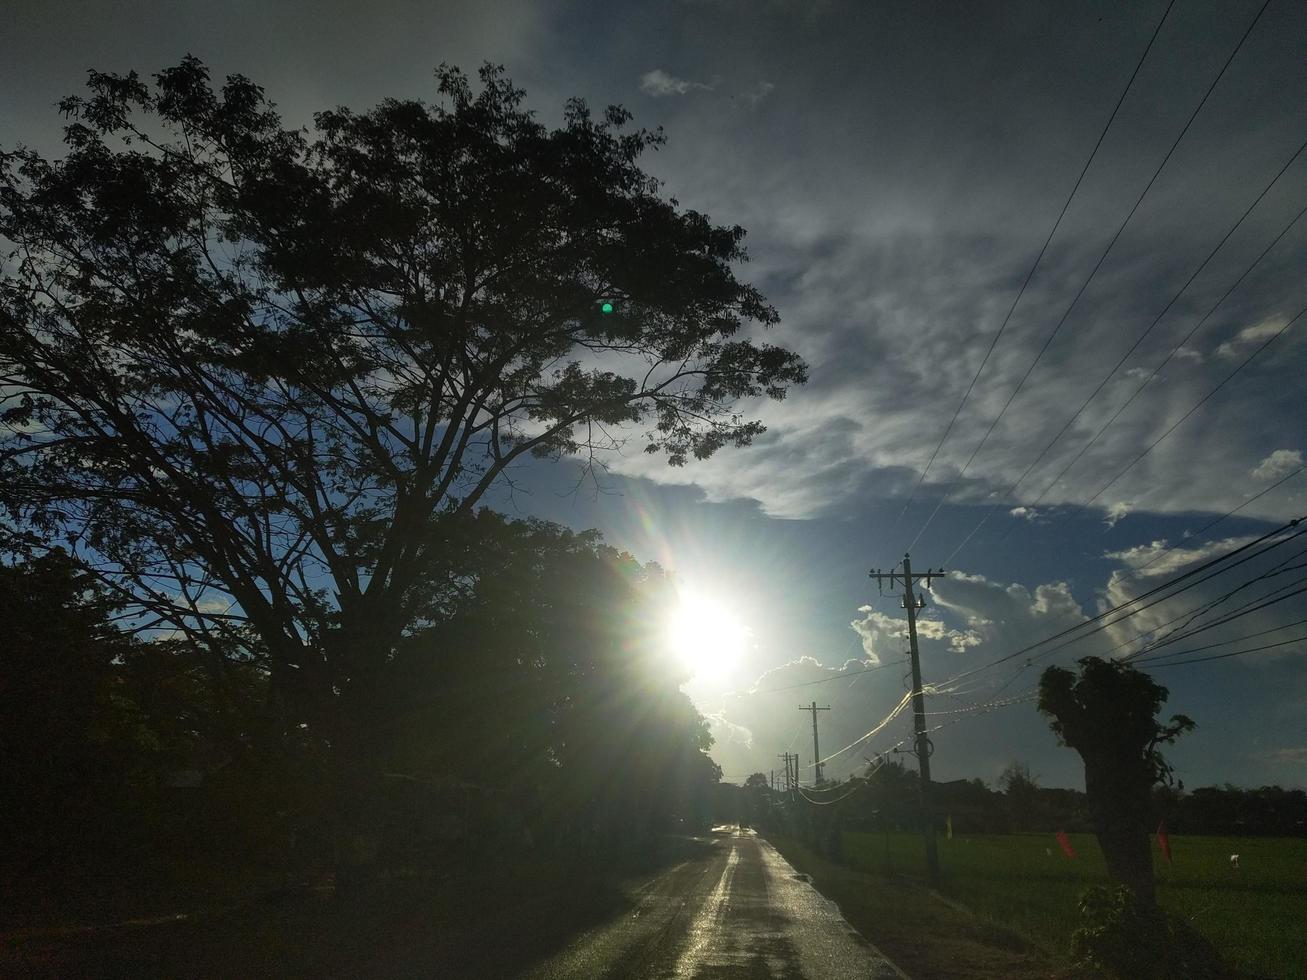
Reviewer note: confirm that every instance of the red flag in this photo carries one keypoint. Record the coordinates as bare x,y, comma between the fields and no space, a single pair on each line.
1065,843
1163,841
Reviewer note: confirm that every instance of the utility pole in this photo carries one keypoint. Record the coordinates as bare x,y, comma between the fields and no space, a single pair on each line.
786,757
924,747
816,751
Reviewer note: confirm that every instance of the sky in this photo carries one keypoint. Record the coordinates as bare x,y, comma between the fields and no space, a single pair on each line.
898,168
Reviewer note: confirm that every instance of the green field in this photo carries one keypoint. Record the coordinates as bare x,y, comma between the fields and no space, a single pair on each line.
1256,915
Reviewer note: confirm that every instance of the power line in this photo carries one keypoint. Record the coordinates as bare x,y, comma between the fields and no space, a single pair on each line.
826,680
1164,598
1212,646
1044,248
1229,513
1203,609
1043,453
1246,610
1093,272
1224,656
1170,583
1165,361
1237,613
1202,401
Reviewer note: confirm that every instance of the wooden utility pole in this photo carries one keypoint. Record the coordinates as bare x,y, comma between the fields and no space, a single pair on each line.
924,747
790,760
816,750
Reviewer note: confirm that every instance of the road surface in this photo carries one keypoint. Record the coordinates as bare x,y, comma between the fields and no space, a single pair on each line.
744,912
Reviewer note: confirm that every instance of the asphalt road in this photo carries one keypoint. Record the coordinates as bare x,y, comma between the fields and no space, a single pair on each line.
741,912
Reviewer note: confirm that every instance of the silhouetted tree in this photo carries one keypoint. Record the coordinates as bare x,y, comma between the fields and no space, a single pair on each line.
94,721
1022,795
549,680
1108,715
244,367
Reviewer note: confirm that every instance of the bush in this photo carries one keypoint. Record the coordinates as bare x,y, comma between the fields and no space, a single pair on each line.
1129,940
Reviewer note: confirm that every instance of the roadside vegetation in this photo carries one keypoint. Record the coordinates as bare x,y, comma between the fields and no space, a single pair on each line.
1253,914
926,935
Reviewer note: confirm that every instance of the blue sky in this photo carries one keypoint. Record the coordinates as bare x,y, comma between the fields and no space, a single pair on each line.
898,167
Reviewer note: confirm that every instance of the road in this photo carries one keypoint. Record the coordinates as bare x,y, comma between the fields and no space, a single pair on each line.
743,912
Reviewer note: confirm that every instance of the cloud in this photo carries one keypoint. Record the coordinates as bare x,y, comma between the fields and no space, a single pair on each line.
1159,559
1249,337
1289,756
1280,463
1220,592
759,92
659,84
1028,513
1116,512
971,621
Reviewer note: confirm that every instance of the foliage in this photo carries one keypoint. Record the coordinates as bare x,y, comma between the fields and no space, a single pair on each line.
245,369
549,681
94,722
1140,942
1252,915
1108,715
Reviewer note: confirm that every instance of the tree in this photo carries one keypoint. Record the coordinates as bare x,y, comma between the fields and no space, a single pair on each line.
245,369
550,681
1022,793
93,720
1108,715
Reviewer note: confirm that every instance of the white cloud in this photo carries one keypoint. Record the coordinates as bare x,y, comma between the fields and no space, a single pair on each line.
1280,463
658,83
1158,558
970,620
1249,337
1203,600
1116,512
1029,513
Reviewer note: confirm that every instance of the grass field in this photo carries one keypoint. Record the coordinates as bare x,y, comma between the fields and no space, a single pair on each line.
1256,915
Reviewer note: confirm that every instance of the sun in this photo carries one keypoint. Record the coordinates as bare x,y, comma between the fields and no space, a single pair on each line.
705,636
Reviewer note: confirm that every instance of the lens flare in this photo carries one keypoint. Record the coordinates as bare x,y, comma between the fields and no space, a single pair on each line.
705,636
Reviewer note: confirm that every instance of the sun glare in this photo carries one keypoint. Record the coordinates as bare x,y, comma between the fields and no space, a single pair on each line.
705,636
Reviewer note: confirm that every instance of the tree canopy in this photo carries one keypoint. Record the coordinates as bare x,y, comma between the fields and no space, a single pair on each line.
246,369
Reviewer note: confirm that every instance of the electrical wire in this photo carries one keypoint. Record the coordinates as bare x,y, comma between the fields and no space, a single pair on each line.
1093,272
877,729
1021,292
1165,361
1219,643
1215,521
826,680
1202,401
1043,453
1190,616
1225,656
1119,607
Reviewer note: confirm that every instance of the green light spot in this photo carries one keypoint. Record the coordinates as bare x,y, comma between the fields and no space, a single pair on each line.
606,308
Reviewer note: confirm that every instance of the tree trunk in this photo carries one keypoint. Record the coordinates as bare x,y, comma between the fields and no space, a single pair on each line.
1120,806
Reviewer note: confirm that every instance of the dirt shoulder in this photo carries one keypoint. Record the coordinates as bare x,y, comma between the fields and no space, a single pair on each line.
928,937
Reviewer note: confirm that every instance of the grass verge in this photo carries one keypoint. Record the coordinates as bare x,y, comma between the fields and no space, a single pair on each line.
928,937
1252,914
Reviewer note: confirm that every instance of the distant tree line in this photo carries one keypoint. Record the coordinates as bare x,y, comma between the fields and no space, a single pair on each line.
887,799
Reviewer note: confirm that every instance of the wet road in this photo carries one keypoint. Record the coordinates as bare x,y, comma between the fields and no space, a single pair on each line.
741,913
